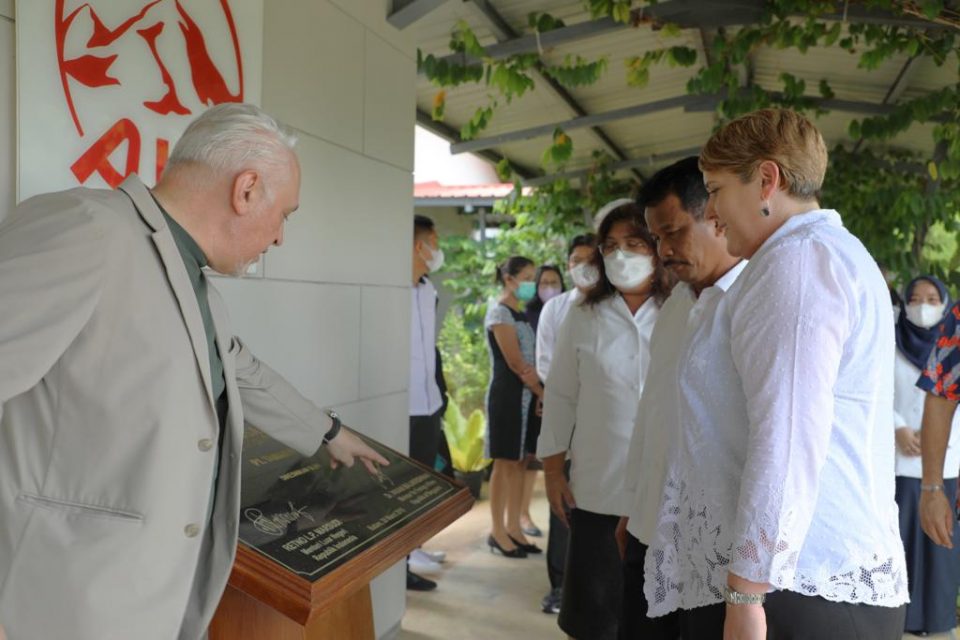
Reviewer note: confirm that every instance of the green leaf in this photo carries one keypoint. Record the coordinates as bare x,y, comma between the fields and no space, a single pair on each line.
671,30
825,91
932,170
504,170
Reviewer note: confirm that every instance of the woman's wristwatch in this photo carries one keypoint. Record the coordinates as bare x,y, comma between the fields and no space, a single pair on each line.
334,429
735,597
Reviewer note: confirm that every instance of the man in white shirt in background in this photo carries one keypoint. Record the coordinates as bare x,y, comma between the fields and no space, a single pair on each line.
584,275
426,399
692,245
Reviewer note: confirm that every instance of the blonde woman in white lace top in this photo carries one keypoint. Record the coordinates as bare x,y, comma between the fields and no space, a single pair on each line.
783,485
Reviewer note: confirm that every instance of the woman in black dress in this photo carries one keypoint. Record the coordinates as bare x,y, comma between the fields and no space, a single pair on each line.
511,403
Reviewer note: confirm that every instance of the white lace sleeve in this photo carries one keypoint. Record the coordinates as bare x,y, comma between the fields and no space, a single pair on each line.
788,330
497,314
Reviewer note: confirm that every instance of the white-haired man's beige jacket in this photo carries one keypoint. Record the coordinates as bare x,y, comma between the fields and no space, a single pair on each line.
108,429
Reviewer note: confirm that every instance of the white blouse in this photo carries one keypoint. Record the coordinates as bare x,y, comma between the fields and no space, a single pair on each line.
658,416
591,395
784,472
552,314
908,402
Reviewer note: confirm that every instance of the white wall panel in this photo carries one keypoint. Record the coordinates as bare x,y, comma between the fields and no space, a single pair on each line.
385,347
307,332
354,225
313,70
373,15
390,97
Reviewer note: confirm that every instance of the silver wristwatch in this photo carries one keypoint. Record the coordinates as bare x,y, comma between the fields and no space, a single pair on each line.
735,597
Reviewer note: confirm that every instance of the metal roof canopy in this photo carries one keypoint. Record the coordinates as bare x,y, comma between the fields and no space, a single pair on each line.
660,122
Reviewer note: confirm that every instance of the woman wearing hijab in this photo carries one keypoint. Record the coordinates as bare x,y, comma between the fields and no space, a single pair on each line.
933,571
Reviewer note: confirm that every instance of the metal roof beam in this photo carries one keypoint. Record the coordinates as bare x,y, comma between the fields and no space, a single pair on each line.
688,14
451,135
579,122
616,166
897,88
690,103
833,104
504,31
404,13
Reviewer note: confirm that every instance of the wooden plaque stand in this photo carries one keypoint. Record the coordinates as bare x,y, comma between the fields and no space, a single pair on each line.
265,601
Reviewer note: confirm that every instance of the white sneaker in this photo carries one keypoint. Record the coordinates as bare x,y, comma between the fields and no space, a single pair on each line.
420,562
435,556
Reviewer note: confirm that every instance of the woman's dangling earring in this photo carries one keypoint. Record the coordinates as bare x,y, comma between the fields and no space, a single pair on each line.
765,210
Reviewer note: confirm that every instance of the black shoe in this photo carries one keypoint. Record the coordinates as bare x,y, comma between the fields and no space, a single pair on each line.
551,601
419,583
512,553
527,548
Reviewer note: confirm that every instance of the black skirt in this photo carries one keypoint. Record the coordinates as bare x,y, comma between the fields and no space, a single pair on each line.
593,579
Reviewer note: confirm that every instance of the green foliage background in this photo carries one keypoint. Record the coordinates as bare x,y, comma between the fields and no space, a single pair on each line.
904,206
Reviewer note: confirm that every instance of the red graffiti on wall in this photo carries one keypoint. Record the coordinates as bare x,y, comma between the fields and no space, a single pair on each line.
92,68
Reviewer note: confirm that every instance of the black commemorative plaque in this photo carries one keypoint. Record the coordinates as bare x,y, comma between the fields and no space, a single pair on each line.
311,519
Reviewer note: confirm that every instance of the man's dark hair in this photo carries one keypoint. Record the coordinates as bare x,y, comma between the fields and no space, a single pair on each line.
583,240
421,226
682,179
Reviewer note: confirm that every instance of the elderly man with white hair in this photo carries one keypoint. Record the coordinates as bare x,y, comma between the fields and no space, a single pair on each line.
123,391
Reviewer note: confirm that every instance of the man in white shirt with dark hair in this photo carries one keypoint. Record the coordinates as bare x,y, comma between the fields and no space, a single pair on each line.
426,398
584,275
692,245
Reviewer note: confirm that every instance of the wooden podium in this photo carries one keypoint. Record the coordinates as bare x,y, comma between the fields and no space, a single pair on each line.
292,507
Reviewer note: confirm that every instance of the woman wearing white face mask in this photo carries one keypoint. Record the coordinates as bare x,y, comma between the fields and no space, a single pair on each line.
933,571
591,395
514,388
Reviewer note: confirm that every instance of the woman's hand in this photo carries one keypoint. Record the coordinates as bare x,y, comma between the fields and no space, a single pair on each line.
559,494
348,446
936,517
908,441
745,622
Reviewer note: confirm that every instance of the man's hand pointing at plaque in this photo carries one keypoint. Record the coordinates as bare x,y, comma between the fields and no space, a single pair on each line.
346,446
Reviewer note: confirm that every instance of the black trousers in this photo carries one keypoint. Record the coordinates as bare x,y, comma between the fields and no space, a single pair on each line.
425,434
557,539
634,623
791,616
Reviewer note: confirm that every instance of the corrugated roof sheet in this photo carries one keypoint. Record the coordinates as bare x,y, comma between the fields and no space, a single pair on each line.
663,132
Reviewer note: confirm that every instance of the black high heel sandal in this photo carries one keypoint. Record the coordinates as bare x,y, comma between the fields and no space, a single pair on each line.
527,548
512,553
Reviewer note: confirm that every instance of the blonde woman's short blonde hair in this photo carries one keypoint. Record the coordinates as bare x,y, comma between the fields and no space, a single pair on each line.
779,135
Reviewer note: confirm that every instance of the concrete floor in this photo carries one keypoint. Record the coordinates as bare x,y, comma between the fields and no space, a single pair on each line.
483,596
480,595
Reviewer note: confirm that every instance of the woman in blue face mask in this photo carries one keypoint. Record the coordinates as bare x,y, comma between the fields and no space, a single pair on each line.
511,403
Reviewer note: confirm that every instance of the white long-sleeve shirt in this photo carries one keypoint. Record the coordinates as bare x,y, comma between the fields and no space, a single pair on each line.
908,402
784,473
591,395
424,392
658,417
552,314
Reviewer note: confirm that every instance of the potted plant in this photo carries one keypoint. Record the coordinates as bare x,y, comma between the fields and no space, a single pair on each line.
465,437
